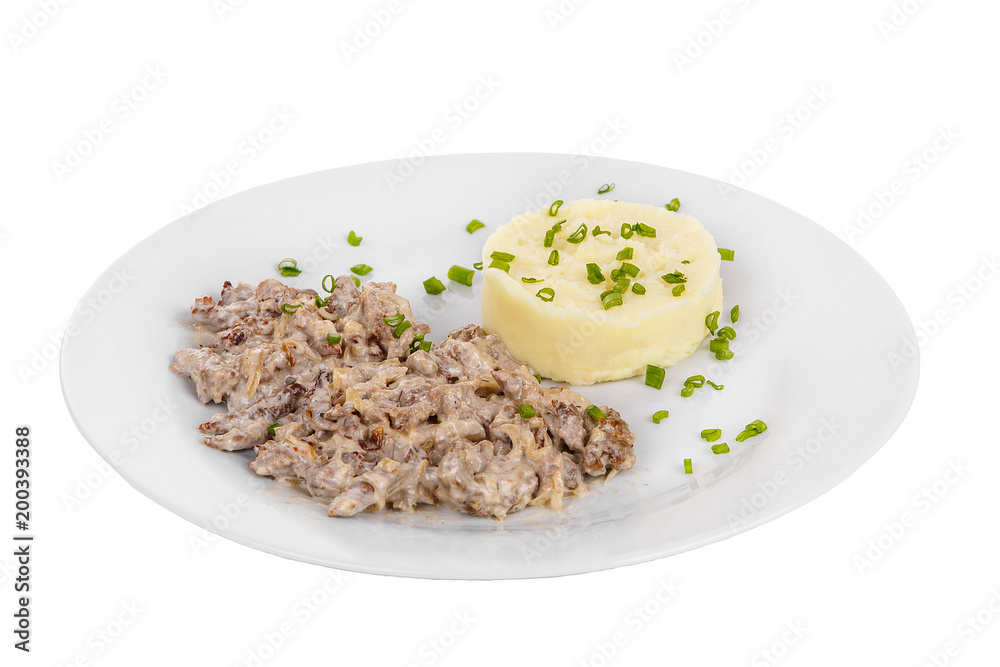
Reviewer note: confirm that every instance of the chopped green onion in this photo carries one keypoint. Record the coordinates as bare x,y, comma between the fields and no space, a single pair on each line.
320,302
478,266
654,376
606,188
333,283
610,299
696,381
643,229
595,413
500,264
357,283
685,261
289,267
629,269
526,279
621,285
502,256
270,429
624,253
527,412
754,428
727,332
550,236
333,339
638,289
546,294
734,314
687,392
723,355
558,226
721,448
711,434
675,277
462,275
537,377
554,258
677,290
687,467
717,344
354,239
674,205
554,209
598,231
434,286
474,226
627,231
594,275
425,346
727,254
398,331
660,415
712,321
717,387
579,235
361,269
289,308
394,320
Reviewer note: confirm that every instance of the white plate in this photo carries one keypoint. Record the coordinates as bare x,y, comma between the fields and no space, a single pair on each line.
813,359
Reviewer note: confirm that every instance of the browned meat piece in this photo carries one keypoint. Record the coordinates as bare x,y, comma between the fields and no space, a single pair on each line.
365,423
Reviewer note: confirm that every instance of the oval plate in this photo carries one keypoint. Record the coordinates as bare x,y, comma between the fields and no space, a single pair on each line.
814,360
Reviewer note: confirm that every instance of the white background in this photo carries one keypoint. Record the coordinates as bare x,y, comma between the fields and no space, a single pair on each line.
884,82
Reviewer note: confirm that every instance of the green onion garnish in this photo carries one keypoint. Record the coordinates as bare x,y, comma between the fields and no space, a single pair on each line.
333,339
546,294
462,275
320,302
598,231
643,229
354,239
527,412
398,331
500,264
624,253
687,392
579,235
717,344
627,231
629,269
537,377
734,314
289,267
621,285
638,289
474,226
727,254
610,299
674,204
595,413
478,266
434,286
723,355
721,448
361,269
696,381
717,387
712,321
333,283
677,290
675,277
685,261
550,236
394,320
289,308
502,256
270,429
554,209
425,346
711,434
606,188
558,226
660,415
526,279
754,428
594,275
357,283
727,332
654,376
687,467
554,258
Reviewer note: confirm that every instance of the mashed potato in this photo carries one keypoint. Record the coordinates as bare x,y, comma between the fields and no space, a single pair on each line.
573,338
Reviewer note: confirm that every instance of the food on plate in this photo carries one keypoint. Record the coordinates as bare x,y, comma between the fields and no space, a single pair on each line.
344,396
588,291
